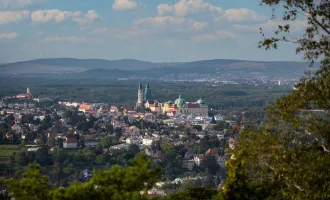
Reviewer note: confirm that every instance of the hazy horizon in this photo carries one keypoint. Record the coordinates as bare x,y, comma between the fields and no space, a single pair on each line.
156,31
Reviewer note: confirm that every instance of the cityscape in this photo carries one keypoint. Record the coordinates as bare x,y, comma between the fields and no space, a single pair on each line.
178,100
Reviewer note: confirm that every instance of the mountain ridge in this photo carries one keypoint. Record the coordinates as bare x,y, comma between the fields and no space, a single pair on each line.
133,67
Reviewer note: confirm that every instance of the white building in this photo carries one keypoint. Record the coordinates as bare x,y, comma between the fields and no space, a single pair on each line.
69,104
133,140
147,141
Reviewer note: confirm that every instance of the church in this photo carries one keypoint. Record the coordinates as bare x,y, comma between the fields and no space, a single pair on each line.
27,95
179,107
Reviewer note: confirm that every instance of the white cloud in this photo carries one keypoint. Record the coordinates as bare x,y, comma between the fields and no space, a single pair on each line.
13,16
197,26
44,16
189,7
220,34
12,35
120,5
170,22
240,15
17,4
71,39
89,17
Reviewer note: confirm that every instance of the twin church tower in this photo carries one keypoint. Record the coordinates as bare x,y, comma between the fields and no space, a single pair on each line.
143,97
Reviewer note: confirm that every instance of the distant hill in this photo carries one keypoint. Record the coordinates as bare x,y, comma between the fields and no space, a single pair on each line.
61,65
98,68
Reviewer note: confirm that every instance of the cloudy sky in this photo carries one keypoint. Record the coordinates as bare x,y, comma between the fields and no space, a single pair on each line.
152,30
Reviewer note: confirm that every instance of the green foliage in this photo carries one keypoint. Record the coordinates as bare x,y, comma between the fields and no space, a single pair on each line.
117,183
194,193
33,185
221,125
288,156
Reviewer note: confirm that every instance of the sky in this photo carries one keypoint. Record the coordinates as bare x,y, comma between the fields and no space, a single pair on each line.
151,30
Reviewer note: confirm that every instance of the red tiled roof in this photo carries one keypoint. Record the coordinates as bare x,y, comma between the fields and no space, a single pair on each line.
15,125
113,107
84,107
70,140
195,105
212,151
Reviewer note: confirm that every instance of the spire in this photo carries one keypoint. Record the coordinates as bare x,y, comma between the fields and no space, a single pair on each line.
140,86
147,92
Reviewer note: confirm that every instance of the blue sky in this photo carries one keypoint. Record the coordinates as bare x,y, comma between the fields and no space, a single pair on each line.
152,30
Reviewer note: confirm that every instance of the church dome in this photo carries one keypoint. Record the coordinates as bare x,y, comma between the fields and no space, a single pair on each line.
180,101
201,101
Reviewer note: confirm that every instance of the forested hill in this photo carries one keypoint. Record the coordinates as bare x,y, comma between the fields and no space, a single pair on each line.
130,67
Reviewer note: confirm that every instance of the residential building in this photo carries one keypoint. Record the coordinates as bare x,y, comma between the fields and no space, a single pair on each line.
70,143
91,142
147,141
188,164
16,128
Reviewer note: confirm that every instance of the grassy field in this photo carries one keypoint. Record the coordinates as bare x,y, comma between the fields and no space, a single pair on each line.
6,151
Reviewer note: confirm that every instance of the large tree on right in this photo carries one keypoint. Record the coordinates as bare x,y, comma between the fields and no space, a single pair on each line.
288,155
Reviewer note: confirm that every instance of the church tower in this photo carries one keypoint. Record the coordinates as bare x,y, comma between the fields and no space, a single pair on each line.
139,102
147,93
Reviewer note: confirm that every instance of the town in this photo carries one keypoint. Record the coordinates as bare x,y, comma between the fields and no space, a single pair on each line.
72,139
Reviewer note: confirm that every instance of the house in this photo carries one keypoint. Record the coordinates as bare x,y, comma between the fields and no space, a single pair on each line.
120,147
87,174
33,149
114,109
16,128
122,139
91,142
212,152
147,141
70,143
92,130
84,107
199,158
188,164
189,155
133,140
